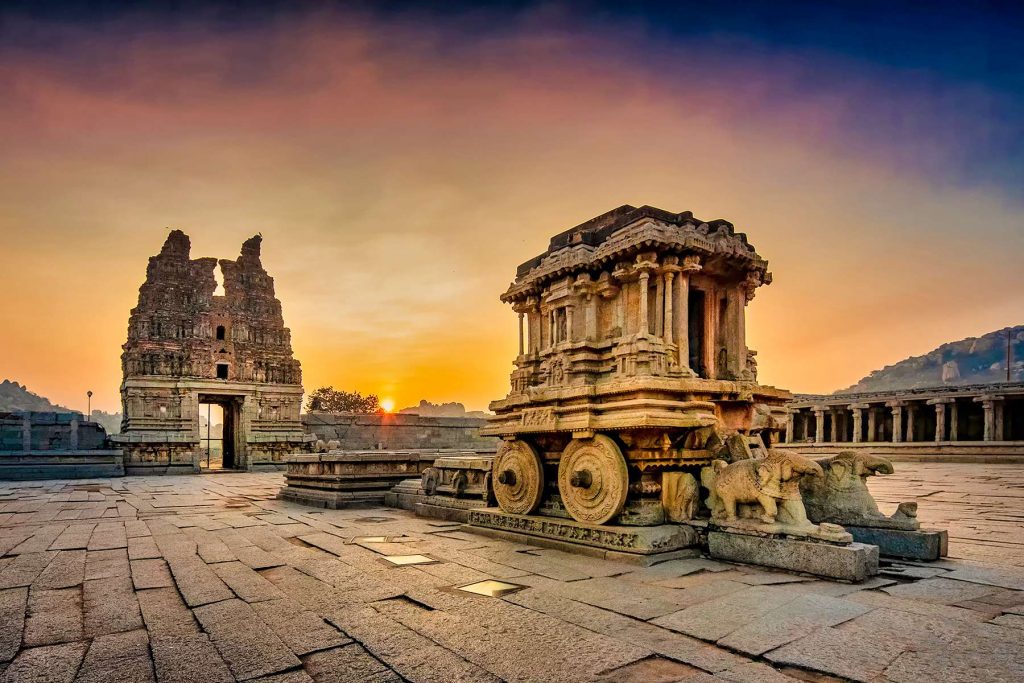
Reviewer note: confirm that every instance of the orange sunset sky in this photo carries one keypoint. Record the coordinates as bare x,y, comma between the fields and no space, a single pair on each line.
400,167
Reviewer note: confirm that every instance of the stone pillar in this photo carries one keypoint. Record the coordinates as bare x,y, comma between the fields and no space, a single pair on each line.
872,424
659,307
568,324
736,342
897,420
819,416
683,311
993,418
834,437
954,419
940,421
790,427
533,318
711,333
911,413
990,419
522,345
590,318
645,328
858,421
691,264
669,313
26,433
1000,432
73,436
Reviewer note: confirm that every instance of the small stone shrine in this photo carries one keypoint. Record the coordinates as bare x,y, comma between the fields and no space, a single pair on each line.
188,346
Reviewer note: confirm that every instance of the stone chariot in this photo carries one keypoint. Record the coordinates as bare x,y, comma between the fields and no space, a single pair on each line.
633,371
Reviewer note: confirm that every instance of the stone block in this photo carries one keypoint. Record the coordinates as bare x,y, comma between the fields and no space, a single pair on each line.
853,562
911,545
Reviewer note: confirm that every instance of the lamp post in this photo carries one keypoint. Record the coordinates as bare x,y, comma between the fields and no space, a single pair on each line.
88,415
1009,351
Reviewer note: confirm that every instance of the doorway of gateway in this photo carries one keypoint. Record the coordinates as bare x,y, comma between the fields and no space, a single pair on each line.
217,432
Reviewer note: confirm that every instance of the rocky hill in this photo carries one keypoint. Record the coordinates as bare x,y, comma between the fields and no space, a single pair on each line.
975,360
14,396
428,409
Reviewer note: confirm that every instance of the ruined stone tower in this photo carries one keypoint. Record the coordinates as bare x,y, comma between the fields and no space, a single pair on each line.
188,346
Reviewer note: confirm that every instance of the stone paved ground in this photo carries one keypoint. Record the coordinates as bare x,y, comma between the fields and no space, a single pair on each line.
209,578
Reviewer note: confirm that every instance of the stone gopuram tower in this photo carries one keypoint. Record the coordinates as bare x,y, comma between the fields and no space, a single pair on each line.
188,347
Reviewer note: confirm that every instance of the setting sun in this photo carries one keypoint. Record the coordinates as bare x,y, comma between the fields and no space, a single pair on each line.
387,405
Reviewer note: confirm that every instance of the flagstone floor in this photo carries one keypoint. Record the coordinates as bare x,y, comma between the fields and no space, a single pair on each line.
210,578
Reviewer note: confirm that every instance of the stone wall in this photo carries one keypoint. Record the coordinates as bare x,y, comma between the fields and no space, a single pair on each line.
51,445
398,431
49,431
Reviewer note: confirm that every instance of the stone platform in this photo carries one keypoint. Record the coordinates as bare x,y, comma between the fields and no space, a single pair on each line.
852,562
341,478
409,495
210,578
641,544
922,545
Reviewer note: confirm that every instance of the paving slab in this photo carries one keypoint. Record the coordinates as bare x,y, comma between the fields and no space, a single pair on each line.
121,657
110,606
106,564
74,537
142,548
67,569
853,654
13,604
25,569
187,658
941,591
54,616
49,664
165,613
349,663
198,583
715,619
300,629
249,649
246,583
790,621
152,573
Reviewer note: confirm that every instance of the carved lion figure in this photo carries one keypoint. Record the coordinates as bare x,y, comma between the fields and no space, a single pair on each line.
770,483
842,496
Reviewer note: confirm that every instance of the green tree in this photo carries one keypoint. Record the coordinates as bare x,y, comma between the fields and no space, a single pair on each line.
331,400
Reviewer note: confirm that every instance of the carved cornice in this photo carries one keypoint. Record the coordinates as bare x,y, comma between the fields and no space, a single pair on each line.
646,234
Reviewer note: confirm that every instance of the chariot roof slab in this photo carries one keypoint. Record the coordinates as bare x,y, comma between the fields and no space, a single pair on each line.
626,231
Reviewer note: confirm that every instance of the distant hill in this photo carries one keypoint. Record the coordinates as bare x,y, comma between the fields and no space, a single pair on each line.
975,360
14,396
428,409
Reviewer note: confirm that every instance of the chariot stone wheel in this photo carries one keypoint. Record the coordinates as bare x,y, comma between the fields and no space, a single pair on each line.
518,478
593,479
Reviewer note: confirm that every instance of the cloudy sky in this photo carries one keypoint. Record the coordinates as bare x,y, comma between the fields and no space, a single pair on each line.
400,162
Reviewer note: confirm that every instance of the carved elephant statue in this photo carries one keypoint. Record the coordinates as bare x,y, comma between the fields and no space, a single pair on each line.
767,482
429,480
842,496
